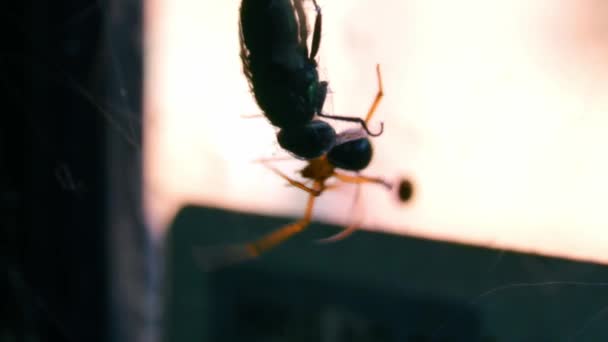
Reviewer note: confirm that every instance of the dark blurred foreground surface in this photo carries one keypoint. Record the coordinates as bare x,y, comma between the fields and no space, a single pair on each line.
373,287
70,170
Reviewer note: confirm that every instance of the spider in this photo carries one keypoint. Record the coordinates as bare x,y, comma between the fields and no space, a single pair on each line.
354,155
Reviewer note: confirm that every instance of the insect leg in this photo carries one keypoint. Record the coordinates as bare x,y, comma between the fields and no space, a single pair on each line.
370,112
300,185
217,257
379,96
358,179
280,235
316,35
354,119
265,160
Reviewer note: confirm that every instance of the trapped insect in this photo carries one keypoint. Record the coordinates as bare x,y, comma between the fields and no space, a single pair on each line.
283,77
284,80
354,155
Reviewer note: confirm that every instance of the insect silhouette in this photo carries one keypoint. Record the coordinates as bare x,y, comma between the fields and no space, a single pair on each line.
353,155
284,80
283,77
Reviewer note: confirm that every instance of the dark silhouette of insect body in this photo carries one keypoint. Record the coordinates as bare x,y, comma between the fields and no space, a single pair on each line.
353,155
283,77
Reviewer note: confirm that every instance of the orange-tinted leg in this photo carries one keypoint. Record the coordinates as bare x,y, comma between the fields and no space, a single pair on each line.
277,237
251,116
213,258
370,112
358,179
300,185
379,96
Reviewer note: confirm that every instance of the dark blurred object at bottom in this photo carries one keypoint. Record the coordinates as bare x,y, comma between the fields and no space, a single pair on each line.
372,287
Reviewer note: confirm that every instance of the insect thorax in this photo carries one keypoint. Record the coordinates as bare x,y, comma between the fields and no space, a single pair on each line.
318,169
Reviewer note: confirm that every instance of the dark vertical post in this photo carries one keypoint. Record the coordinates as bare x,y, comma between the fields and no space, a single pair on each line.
55,189
70,173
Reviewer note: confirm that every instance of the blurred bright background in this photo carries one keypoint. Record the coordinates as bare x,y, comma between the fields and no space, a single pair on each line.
494,109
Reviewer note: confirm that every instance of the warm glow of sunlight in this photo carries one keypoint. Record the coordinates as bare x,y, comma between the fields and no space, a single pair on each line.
497,110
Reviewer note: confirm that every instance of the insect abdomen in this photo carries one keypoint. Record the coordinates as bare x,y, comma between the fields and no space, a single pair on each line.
284,81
